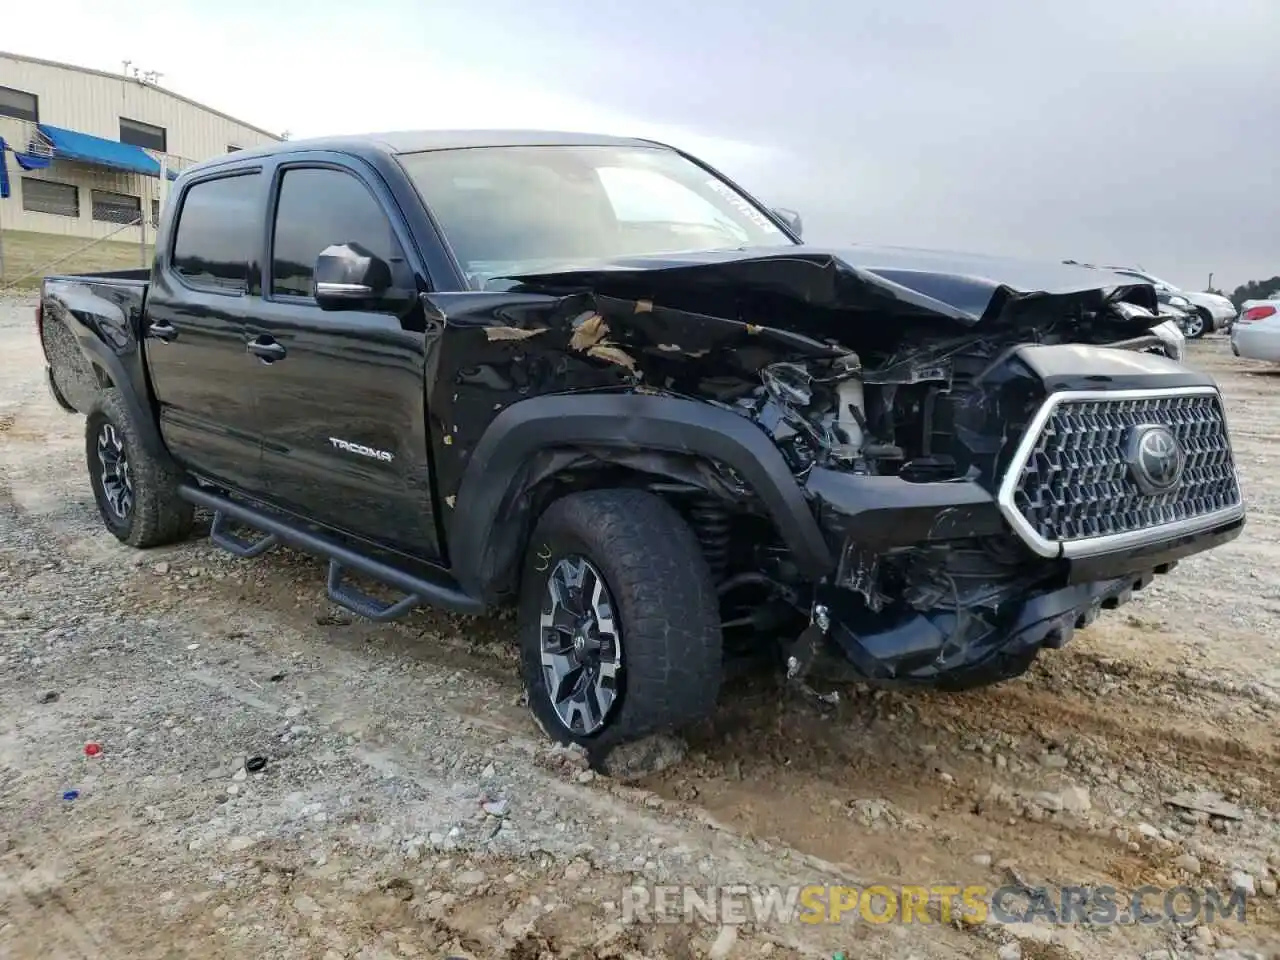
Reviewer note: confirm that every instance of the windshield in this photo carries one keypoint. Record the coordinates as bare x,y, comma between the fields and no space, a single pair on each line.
508,210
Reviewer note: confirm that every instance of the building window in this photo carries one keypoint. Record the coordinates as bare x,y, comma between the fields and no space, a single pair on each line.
115,207
143,135
232,148
155,213
45,196
19,104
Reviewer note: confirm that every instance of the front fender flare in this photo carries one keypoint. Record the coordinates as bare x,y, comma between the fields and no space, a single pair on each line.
483,548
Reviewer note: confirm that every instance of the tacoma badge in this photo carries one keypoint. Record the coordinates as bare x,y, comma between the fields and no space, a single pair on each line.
362,450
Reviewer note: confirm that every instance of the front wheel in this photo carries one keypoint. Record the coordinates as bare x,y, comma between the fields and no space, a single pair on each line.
619,621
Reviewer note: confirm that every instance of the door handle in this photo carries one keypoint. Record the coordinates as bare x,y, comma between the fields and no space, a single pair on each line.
266,349
162,331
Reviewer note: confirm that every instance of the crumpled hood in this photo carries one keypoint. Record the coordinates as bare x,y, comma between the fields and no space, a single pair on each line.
897,281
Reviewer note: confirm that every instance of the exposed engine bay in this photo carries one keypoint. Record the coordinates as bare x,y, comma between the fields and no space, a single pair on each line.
949,410
898,397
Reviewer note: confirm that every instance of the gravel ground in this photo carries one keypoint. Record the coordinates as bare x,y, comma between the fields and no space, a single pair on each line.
409,808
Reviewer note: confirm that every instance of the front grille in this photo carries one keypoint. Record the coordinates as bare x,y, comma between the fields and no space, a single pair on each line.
1076,482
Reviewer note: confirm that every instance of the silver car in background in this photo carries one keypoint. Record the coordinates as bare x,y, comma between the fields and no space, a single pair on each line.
1196,312
1207,311
1256,333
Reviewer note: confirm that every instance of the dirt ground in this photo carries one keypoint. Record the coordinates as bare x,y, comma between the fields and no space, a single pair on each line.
409,808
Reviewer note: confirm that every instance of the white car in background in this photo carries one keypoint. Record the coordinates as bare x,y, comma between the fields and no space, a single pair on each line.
1215,312
1256,333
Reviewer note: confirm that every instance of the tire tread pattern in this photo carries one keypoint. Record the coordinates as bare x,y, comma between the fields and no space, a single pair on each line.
160,516
667,604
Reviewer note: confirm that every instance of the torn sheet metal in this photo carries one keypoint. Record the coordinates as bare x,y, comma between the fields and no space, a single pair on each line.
861,282
745,330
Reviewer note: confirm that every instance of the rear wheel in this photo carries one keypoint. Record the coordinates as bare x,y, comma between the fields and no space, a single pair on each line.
619,621
137,495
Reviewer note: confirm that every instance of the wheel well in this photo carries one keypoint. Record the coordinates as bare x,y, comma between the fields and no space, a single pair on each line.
696,446
711,498
79,377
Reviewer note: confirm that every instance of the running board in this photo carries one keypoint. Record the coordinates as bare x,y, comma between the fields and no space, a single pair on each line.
342,560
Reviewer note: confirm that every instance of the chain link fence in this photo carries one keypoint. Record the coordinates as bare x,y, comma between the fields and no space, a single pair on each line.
63,216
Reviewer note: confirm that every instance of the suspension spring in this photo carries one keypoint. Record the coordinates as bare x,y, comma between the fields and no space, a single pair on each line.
710,521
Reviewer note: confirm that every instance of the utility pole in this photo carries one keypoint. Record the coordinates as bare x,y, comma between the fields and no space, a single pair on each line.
1210,279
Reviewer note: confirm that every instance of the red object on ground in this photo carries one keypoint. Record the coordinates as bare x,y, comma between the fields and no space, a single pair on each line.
92,749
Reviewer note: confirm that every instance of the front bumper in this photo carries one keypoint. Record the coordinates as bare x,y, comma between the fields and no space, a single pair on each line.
901,644
883,515
1041,588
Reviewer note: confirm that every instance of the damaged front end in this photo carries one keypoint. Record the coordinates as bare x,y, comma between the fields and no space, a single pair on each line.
984,500
972,451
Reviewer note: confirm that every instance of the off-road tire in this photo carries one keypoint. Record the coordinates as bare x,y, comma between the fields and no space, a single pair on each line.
665,608
158,515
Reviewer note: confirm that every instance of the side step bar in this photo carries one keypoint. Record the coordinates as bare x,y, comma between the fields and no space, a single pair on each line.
342,559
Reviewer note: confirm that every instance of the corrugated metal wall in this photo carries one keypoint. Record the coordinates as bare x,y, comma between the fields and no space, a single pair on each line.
93,103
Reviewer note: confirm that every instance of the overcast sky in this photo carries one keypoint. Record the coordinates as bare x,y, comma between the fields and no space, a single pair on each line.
1119,131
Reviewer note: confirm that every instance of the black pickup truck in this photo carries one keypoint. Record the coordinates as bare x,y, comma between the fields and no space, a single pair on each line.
595,379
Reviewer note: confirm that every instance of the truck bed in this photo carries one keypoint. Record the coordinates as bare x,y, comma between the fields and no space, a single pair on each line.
142,273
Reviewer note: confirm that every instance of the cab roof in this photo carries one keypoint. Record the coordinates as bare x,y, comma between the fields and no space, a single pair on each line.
422,141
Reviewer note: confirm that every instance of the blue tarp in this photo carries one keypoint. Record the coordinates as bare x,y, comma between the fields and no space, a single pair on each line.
70,145
27,161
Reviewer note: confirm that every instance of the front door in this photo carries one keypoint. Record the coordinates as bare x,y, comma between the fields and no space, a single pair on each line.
194,325
340,395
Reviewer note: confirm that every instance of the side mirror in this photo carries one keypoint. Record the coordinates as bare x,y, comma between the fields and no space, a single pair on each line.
347,275
791,219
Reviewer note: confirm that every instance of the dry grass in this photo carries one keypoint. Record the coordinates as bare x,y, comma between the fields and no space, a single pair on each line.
30,256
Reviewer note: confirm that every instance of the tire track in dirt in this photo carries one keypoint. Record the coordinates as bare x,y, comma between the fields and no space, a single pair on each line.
904,795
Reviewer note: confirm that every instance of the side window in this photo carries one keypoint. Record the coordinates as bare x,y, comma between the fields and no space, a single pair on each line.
316,209
217,232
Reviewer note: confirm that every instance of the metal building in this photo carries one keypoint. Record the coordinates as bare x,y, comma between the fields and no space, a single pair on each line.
87,153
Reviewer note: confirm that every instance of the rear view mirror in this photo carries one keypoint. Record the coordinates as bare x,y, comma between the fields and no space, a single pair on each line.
790,218
348,275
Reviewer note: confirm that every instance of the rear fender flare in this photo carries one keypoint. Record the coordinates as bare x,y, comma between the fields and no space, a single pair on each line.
484,548
140,412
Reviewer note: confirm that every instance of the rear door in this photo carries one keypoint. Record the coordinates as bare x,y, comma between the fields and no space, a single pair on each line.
197,308
340,393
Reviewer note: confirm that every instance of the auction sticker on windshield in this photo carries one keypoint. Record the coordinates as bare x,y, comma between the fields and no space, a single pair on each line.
744,207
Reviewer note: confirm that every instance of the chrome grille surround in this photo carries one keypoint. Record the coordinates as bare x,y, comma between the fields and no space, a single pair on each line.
1069,490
